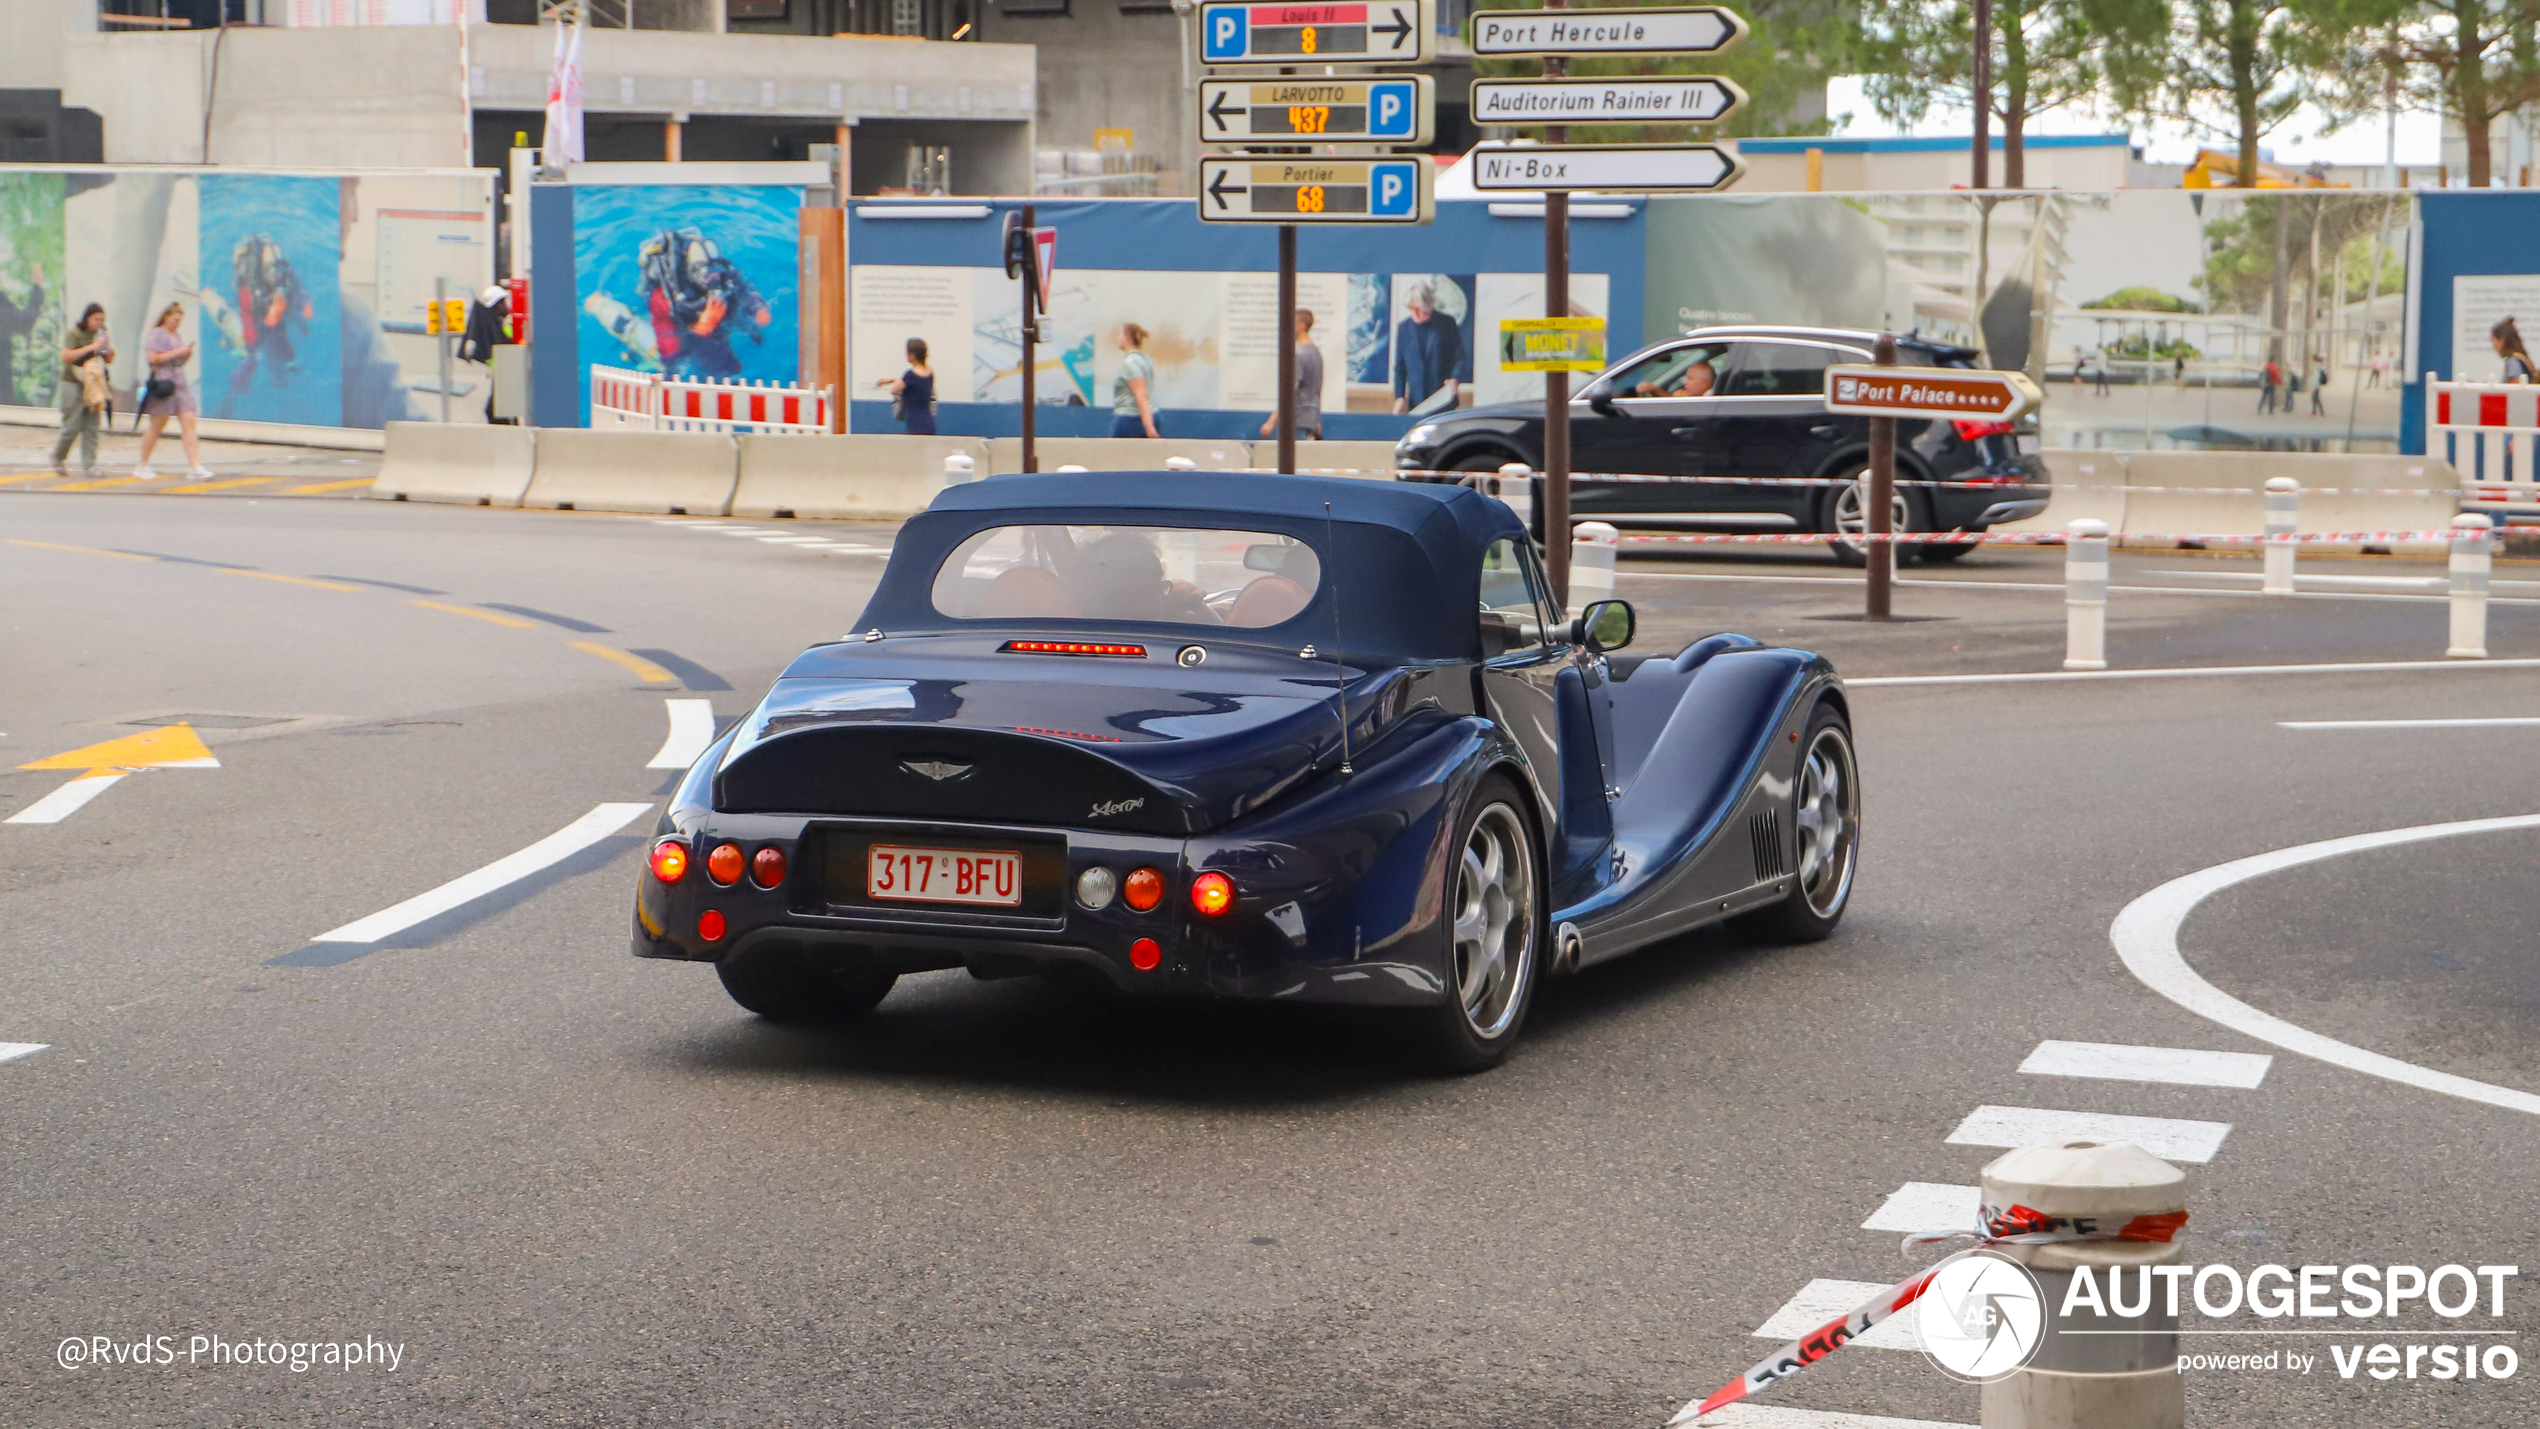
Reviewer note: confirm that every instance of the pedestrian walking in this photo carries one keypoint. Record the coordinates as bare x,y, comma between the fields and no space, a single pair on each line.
1308,405
2077,365
2178,368
169,392
2270,378
2319,385
1133,391
80,390
2099,370
913,392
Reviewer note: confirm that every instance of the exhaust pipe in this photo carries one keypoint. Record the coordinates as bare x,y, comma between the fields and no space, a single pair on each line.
1567,947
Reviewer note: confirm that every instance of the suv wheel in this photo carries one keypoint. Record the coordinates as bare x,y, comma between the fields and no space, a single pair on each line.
1847,514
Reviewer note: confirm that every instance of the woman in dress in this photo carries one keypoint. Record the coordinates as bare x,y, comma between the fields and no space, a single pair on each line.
167,354
913,392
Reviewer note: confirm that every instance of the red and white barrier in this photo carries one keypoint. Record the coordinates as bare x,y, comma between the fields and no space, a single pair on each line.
649,402
2490,432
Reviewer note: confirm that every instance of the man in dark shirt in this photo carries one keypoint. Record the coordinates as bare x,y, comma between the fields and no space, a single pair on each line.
1428,351
1309,384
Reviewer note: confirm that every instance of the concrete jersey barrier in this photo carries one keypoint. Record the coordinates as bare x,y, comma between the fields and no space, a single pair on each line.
469,465
886,477
2069,466
665,472
1005,454
1370,459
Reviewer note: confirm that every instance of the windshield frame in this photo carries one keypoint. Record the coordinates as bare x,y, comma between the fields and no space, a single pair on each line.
948,574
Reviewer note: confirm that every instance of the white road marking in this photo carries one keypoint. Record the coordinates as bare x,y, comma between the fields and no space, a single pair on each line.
12,1050
1768,1416
691,730
2146,939
795,540
743,531
2171,1139
2422,582
1927,1206
2404,723
467,888
2180,672
1823,1300
65,801
2178,1065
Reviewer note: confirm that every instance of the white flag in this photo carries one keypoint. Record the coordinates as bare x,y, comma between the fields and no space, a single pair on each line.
564,99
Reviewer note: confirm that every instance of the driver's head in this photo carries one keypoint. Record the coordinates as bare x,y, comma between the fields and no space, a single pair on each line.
1119,576
1698,379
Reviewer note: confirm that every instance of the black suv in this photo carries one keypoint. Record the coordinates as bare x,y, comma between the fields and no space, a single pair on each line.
1750,402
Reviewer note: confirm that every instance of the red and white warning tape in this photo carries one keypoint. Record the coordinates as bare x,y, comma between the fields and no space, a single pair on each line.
1628,478
2016,1226
2030,538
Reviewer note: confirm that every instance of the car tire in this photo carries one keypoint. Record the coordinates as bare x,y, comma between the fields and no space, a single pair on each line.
1825,818
783,987
1496,929
1841,513
1486,461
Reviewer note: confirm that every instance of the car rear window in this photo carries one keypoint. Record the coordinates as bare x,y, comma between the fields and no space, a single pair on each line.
1176,575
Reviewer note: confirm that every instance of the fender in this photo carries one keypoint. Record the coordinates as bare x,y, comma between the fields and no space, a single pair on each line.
1724,745
1349,879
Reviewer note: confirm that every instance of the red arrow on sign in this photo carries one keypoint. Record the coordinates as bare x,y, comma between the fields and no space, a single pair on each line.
1045,256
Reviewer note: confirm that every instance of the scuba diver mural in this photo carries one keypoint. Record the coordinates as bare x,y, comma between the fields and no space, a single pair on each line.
693,281
270,302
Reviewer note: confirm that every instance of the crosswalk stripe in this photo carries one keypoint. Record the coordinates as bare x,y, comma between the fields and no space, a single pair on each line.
1773,1416
2169,1138
1822,1300
1927,1206
795,540
2117,1063
691,730
10,1050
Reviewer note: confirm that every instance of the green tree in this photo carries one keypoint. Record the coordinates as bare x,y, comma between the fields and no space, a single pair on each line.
2235,69
2047,54
2476,60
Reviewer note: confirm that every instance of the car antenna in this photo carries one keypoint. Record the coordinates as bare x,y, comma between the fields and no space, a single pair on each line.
1340,677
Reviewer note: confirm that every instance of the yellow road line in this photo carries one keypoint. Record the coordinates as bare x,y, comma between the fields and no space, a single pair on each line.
219,485
324,487
31,476
83,550
475,614
292,580
652,673
102,483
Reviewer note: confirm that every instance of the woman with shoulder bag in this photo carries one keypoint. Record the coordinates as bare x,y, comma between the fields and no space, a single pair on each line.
169,392
913,392
81,390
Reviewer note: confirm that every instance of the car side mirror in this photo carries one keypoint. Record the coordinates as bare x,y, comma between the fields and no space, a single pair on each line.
1601,400
1604,625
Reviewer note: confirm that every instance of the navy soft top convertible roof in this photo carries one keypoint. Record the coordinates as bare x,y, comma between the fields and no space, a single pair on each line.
1404,558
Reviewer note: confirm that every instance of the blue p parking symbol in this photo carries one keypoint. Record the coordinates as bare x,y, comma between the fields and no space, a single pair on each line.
1225,33
1389,109
1391,191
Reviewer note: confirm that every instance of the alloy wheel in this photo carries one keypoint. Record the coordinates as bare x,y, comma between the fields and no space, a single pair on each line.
1494,920
1829,820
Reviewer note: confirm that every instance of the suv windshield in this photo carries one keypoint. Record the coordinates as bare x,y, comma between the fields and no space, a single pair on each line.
1176,575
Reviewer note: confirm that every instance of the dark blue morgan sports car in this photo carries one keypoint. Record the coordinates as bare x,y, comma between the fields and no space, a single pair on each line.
1280,738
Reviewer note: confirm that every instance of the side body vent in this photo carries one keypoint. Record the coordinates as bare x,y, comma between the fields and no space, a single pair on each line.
1764,831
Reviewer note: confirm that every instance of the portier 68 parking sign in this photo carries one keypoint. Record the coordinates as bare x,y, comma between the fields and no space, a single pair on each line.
1315,190
1362,32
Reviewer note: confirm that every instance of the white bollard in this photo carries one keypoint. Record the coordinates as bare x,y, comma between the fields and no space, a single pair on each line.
959,468
2282,493
1179,463
2086,595
1517,490
2470,562
2122,1373
1592,546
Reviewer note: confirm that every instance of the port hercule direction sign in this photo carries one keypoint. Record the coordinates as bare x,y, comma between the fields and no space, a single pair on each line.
1687,30
1699,99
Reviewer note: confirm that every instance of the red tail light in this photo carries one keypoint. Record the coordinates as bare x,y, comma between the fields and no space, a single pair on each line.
724,864
1143,889
1074,647
1970,431
710,926
1145,955
1212,893
767,867
670,860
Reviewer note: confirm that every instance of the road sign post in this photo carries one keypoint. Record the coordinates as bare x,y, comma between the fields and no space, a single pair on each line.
1285,413
1885,392
1878,509
1556,170
1023,264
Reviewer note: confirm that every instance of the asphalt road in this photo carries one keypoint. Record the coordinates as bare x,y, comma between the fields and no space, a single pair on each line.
576,1188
